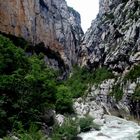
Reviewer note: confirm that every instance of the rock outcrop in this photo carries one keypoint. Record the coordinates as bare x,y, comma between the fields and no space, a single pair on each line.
113,39
101,99
50,22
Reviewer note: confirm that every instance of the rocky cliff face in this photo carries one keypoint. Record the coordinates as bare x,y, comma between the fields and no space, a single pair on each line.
113,40
114,36
50,22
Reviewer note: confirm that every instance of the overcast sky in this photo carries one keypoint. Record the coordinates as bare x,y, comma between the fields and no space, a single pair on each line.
88,10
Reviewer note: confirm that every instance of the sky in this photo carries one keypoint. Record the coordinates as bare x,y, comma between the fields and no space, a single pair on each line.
88,10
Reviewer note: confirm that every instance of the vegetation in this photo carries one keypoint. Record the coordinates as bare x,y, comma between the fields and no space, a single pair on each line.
28,87
87,123
67,130
133,74
117,92
32,134
81,77
136,95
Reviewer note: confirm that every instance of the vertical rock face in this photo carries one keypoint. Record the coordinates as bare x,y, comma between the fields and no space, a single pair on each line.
50,22
114,36
113,40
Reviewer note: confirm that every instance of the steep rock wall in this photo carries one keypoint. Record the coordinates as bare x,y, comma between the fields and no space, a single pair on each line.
113,39
50,22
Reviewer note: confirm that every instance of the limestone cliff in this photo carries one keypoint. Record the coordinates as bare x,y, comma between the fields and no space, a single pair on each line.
114,36
50,22
113,40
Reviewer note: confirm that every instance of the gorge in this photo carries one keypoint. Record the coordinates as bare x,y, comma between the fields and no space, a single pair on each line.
51,72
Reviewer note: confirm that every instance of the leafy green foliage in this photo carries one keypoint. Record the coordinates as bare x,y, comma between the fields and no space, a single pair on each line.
32,134
117,92
77,82
136,95
81,77
27,87
133,74
63,100
68,130
102,74
87,123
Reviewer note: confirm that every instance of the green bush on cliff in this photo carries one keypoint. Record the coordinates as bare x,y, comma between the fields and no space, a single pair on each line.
102,74
117,92
133,74
81,77
63,100
78,82
136,95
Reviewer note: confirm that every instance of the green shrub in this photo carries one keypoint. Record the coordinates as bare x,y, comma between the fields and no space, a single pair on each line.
117,92
87,123
32,134
82,77
133,74
136,95
68,130
27,87
102,74
63,100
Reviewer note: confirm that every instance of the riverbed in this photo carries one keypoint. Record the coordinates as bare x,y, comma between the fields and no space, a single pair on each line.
114,128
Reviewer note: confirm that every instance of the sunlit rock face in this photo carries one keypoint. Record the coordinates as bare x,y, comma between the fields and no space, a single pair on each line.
113,39
49,21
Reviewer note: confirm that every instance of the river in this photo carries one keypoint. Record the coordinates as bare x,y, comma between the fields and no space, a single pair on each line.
114,128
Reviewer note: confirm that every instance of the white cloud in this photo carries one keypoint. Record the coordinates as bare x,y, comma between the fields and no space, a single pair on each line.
88,10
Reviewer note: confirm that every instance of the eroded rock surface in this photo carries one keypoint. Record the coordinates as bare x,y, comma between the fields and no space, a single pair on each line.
113,39
50,22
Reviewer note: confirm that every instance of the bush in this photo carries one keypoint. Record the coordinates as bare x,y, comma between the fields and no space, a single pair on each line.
102,74
117,92
136,95
68,130
87,123
133,74
27,87
32,134
63,100
82,77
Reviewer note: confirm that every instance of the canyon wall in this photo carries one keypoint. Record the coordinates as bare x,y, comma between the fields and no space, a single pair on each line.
50,22
113,40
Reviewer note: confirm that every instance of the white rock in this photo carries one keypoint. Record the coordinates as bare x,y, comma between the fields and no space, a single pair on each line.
60,119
